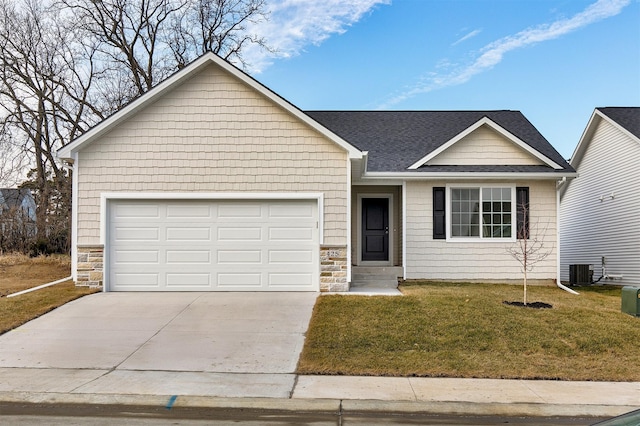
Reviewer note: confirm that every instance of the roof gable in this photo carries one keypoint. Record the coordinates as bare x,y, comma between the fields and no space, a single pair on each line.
625,119
463,138
397,140
179,78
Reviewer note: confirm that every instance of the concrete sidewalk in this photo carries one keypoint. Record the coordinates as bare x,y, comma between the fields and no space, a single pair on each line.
241,350
319,393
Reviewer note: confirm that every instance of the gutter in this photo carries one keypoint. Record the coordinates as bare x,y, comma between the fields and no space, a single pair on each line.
467,176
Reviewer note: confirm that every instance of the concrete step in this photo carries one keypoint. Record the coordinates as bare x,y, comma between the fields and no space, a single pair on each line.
394,271
377,283
375,276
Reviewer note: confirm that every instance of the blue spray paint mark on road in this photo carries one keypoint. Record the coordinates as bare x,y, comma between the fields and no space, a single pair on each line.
172,401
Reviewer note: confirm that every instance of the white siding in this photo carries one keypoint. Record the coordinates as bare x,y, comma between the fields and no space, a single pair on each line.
213,134
427,258
591,228
484,146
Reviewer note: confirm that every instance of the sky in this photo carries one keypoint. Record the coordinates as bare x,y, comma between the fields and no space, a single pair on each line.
553,60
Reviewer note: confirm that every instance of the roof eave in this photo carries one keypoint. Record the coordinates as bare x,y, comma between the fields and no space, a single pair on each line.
556,175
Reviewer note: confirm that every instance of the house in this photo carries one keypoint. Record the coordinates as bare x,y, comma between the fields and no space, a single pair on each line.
211,181
17,219
16,205
600,224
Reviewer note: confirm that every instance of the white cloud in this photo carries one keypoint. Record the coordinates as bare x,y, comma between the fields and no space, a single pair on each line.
467,37
296,24
493,53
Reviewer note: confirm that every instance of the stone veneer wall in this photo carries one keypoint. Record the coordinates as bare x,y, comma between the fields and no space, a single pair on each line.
90,265
333,268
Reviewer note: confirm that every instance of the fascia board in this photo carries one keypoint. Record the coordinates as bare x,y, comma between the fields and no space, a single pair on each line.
179,77
585,139
496,127
470,175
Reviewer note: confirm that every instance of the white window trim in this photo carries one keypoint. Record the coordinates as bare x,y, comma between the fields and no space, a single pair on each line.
480,238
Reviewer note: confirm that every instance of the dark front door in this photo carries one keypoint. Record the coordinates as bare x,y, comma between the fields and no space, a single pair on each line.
375,229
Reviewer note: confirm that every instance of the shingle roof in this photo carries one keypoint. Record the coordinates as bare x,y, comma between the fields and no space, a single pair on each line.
627,117
397,139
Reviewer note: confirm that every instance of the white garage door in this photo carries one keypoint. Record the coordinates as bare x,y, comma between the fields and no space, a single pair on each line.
222,245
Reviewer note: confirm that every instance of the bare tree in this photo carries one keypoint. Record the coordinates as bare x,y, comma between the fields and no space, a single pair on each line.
529,248
218,26
141,42
43,95
66,64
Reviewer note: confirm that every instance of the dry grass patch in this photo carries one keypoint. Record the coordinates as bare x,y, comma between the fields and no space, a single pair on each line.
464,330
19,272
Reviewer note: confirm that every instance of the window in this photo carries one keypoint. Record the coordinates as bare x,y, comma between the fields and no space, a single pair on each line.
484,213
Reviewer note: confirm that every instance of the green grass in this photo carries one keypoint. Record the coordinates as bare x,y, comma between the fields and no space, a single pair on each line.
464,330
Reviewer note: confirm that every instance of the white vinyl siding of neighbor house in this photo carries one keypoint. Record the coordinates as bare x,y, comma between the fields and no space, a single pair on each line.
213,134
484,146
486,260
591,228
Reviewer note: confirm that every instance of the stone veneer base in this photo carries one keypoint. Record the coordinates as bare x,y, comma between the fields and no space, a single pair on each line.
90,265
333,267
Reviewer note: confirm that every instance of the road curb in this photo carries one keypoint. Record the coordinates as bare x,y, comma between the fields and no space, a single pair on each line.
319,405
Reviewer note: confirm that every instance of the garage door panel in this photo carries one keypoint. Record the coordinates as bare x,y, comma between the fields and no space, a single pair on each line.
289,233
151,233
291,256
213,245
182,211
238,280
241,210
188,233
136,256
285,210
135,210
290,280
179,281
188,256
227,257
239,234
137,280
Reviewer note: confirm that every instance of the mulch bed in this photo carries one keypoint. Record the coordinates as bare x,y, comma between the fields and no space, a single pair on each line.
533,305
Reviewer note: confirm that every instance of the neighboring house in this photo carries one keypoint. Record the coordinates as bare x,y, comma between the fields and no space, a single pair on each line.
211,181
17,210
600,211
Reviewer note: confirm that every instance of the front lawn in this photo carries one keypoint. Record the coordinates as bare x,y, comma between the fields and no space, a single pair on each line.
464,330
19,272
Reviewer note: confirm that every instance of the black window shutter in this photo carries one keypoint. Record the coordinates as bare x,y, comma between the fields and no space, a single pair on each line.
439,219
522,208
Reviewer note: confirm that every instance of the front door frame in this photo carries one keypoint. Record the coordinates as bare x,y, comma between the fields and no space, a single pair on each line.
389,197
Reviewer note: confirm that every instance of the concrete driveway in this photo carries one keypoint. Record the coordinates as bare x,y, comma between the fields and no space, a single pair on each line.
219,344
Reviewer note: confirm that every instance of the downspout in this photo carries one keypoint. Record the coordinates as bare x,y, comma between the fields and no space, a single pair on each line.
349,214
72,165
558,283
404,229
